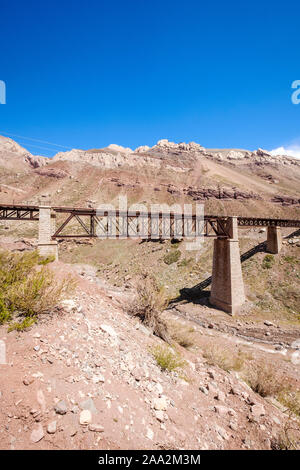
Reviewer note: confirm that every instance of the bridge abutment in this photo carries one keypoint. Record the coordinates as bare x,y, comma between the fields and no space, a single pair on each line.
47,221
227,288
274,240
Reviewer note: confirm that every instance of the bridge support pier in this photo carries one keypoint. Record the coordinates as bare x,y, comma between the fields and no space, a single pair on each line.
46,246
274,240
227,288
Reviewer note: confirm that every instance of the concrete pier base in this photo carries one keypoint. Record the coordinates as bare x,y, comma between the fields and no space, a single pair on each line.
227,288
48,249
46,246
274,240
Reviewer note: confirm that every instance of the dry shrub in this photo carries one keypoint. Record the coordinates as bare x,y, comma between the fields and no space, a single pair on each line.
39,293
181,334
225,359
264,379
148,305
167,358
291,399
289,438
28,287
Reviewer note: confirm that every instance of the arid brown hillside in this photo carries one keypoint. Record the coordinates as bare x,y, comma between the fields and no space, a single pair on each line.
228,181
89,375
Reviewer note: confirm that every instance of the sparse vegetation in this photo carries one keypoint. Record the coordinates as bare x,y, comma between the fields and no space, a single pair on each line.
264,379
289,438
185,262
274,292
224,359
172,257
5,315
28,288
167,358
47,260
290,399
291,259
22,325
181,334
268,261
148,305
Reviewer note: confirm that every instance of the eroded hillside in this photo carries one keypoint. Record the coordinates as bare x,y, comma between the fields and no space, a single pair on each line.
90,375
226,181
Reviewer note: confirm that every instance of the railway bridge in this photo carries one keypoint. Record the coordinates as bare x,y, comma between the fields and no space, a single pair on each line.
227,286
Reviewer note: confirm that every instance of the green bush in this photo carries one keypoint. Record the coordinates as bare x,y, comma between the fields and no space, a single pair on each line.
268,261
172,257
21,326
5,315
27,287
47,260
167,359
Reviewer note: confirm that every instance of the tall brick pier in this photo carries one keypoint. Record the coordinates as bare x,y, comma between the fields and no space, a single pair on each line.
47,246
227,288
274,240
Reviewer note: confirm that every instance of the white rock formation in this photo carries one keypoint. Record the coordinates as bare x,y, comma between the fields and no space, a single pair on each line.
182,146
119,148
142,149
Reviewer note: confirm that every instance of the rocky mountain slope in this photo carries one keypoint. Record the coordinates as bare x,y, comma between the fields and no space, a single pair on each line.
87,378
16,158
170,152
227,181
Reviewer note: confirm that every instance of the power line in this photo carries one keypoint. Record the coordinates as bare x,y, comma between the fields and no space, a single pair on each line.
37,146
35,140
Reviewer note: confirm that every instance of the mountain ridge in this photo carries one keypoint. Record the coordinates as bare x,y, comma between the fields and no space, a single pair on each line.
226,181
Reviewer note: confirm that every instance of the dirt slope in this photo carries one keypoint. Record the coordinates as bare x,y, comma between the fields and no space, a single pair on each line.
91,361
91,356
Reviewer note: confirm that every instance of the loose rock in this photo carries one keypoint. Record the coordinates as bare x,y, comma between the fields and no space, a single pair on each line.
257,411
61,408
96,428
51,428
37,434
85,417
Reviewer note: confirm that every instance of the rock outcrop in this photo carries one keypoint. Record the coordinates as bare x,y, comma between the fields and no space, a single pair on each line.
176,157
13,156
52,172
219,193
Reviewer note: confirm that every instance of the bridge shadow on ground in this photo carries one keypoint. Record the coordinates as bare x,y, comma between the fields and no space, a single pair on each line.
198,295
294,234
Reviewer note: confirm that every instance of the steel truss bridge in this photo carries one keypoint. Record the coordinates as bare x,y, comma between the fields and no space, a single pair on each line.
95,223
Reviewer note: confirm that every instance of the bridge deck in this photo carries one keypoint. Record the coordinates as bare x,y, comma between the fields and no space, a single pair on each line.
184,224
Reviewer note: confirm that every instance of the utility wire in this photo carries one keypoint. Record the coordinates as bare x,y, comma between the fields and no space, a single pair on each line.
37,146
35,140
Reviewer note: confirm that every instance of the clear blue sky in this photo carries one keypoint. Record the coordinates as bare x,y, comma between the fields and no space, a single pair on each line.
87,74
